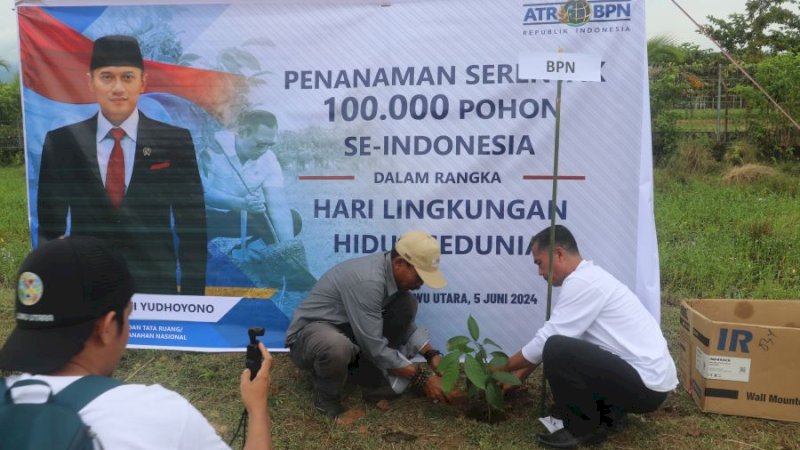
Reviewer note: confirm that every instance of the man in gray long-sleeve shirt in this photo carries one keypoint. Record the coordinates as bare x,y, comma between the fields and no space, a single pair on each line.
359,320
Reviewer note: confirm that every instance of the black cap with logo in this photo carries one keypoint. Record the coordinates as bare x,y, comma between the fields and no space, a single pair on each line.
63,286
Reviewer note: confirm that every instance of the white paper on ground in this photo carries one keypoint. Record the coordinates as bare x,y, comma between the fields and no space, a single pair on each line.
551,423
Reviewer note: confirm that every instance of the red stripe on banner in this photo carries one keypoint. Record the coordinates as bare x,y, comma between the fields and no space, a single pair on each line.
325,177
55,61
55,58
550,177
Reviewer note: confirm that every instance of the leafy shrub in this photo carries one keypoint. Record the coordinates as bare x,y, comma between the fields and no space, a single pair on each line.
665,87
665,135
481,372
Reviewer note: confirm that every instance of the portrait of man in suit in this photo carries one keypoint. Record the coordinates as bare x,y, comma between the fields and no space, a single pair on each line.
127,179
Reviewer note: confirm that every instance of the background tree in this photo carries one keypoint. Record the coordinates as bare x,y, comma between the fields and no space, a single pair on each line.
663,50
10,123
775,135
768,27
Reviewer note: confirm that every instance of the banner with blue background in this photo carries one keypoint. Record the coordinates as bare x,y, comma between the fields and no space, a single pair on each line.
383,117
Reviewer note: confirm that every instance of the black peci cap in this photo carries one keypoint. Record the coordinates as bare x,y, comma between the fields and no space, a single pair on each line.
116,50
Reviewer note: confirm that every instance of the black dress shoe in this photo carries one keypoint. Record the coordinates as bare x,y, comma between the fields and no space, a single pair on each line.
563,438
616,420
327,405
558,412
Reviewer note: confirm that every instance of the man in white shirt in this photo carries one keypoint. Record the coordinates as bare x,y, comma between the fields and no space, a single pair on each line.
241,173
604,354
72,306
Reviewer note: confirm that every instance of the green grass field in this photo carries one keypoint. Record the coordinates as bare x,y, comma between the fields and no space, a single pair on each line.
14,236
715,240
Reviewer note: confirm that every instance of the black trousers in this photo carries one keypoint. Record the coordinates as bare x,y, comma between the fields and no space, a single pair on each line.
591,385
332,356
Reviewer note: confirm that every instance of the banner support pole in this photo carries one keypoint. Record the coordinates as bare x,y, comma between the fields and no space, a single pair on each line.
552,211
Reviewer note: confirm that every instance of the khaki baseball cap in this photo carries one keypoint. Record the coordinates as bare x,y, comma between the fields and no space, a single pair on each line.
421,250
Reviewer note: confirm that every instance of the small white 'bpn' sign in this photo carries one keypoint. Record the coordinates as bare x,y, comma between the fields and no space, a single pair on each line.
559,66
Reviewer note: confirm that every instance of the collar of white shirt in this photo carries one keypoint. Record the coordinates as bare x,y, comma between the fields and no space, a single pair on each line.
130,126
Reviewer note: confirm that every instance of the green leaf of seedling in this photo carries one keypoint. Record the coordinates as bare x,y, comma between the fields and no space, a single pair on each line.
506,378
474,331
499,354
464,348
494,396
488,341
472,391
475,372
450,368
498,360
457,342
481,355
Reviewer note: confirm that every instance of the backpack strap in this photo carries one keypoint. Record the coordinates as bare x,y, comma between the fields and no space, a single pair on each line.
75,396
6,390
83,390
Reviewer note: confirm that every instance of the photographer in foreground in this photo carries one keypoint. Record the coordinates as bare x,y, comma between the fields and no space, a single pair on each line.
72,306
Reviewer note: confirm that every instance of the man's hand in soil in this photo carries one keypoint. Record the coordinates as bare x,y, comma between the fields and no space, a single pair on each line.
433,390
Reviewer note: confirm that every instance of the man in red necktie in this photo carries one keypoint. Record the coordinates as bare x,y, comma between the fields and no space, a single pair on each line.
127,179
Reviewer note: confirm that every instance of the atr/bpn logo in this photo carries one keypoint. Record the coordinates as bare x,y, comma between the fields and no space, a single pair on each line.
577,13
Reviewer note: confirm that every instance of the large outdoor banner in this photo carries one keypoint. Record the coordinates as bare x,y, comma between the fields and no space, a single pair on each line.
319,131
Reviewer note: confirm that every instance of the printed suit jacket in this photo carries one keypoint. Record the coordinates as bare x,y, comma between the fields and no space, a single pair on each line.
165,187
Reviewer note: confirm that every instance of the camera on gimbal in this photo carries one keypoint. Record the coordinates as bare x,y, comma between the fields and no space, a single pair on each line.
254,358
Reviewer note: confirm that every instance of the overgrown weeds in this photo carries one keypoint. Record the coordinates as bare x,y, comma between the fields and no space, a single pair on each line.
741,152
748,173
694,157
763,178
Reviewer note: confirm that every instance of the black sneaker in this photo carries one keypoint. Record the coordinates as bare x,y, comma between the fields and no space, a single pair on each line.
563,438
327,405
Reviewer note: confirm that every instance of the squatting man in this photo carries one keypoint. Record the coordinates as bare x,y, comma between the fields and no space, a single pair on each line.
603,353
358,324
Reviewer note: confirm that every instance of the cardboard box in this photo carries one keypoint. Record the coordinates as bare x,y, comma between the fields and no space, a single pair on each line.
742,357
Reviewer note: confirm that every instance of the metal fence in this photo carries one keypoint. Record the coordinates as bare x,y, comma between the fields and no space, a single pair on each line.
710,87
